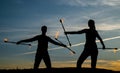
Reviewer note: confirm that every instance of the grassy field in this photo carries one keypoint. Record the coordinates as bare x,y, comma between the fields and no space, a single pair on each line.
58,70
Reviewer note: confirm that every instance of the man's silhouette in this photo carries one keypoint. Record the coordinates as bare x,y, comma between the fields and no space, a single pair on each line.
90,48
42,49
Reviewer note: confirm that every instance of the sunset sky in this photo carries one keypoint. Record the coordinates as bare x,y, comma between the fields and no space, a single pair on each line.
22,19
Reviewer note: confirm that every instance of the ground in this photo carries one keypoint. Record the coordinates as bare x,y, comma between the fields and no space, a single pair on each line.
59,70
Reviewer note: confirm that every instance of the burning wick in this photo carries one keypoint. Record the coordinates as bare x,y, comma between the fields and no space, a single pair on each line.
57,34
115,50
56,37
61,20
5,40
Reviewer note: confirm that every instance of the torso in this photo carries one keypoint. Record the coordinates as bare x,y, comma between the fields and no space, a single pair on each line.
91,39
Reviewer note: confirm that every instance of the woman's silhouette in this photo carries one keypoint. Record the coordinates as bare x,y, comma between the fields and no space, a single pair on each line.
42,49
90,48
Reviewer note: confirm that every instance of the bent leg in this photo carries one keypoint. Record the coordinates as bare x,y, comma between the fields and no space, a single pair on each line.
37,61
81,59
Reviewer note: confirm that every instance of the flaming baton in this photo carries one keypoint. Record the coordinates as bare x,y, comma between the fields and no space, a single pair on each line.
114,49
61,21
7,41
56,38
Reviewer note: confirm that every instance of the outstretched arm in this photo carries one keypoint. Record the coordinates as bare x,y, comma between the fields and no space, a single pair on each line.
27,40
98,36
76,32
56,43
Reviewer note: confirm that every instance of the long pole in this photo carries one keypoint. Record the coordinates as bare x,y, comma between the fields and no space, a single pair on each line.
109,48
6,41
61,21
66,47
16,42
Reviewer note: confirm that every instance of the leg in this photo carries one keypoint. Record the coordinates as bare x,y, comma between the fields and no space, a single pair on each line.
81,59
94,59
37,61
47,61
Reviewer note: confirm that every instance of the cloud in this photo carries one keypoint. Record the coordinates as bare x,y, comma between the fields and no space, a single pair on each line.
79,2
90,2
104,64
78,44
111,65
32,52
110,2
108,27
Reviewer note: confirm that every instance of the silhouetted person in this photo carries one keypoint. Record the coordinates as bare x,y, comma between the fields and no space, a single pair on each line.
42,49
90,48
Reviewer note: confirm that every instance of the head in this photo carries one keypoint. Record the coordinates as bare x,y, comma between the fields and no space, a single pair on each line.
91,24
44,29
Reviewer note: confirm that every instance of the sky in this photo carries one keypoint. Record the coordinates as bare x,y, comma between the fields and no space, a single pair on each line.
22,19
